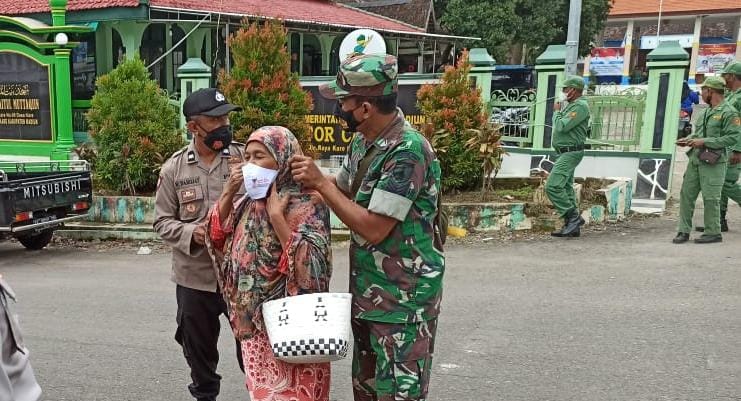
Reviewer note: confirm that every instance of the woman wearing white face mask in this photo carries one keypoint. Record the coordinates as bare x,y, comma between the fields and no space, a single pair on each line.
272,243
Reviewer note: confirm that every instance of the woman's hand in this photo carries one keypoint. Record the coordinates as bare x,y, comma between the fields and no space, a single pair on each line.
276,207
235,181
276,204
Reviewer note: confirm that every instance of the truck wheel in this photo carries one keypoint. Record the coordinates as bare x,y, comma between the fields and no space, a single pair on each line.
34,242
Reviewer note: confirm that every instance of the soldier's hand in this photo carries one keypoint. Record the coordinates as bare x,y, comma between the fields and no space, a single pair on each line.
556,106
235,181
199,234
306,172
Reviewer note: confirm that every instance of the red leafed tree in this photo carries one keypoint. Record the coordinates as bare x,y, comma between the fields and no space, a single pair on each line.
261,82
454,109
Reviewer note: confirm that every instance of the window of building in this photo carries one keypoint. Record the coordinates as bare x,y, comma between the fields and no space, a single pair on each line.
312,62
117,48
295,50
178,54
152,47
84,68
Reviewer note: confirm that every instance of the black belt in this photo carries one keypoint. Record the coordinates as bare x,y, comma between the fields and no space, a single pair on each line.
566,149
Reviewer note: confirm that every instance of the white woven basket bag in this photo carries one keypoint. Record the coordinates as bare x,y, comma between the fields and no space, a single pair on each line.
310,328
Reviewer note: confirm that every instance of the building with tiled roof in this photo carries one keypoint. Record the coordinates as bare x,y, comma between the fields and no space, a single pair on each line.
710,31
418,13
168,33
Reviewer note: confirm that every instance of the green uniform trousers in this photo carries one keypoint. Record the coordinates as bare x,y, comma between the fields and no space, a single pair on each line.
731,188
392,362
708,179
560,184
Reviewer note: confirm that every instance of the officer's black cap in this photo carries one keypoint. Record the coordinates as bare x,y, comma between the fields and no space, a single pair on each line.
207,102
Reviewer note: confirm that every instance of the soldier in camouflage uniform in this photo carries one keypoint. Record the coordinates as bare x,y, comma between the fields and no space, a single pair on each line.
396,268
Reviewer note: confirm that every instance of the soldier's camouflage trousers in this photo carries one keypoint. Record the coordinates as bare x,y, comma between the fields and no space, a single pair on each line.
392,362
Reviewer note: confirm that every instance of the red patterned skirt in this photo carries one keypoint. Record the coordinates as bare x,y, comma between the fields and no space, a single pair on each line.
269,379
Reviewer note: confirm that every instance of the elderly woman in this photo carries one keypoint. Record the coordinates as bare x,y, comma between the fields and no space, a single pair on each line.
268,246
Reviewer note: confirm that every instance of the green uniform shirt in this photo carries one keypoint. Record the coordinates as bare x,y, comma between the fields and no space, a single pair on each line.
734,99
720,126
399,280
571,125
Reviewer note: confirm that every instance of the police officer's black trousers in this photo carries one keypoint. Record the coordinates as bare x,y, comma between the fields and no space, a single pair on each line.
198,333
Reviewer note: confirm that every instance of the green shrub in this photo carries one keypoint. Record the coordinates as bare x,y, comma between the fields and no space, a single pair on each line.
261,81
133,127
453,109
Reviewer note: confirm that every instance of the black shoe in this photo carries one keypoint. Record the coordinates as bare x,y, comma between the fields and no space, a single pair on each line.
574,222
700,229
559,233
709,239
681,238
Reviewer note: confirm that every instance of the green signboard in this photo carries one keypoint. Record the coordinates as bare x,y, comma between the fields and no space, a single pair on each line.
25,100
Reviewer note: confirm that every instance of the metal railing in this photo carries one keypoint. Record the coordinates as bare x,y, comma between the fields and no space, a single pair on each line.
514,112
617,119
20,167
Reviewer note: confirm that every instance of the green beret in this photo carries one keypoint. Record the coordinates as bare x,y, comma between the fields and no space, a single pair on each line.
714,83
574,82
733,68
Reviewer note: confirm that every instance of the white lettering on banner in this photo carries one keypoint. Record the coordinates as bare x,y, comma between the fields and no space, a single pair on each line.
51,189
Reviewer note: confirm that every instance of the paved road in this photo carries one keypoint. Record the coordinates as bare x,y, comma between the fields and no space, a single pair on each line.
618,315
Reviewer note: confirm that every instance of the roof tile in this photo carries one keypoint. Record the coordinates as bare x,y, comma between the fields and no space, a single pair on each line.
626,8
311,11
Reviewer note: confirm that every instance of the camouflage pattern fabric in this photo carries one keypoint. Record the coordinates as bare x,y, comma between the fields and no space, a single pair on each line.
392,362
399,280
369,75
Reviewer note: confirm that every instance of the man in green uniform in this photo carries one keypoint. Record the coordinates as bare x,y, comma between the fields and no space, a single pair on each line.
570,131
717,128
386,193
731,188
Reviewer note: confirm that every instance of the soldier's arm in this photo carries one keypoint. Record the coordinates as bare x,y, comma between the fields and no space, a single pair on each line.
731,130
567,120
173,232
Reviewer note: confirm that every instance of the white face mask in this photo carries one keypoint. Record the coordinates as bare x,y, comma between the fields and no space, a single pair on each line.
562,97
257,180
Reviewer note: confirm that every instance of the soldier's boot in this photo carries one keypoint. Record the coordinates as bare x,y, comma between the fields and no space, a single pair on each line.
709,239
681,238
573,224
559,233
723,222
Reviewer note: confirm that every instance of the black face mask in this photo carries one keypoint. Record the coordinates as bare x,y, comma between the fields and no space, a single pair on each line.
347,117
219,138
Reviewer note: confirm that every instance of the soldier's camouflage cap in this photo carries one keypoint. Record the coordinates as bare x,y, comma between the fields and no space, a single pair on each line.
733,68
368,75
574,82
714,83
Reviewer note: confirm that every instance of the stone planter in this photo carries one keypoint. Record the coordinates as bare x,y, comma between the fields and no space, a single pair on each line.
613,205
122,209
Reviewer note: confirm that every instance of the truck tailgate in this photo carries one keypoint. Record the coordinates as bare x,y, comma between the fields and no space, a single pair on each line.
56,193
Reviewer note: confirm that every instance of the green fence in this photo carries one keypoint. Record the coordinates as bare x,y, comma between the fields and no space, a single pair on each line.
617,118
514,112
